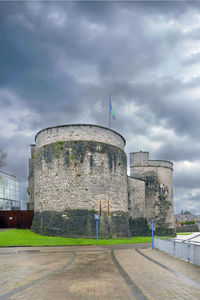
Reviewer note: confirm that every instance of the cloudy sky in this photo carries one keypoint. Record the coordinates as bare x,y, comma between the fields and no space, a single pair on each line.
60,60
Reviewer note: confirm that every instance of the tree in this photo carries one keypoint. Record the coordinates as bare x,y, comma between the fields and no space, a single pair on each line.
3,156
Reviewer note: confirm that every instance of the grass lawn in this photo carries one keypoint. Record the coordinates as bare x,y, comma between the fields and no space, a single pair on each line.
183,233
25,237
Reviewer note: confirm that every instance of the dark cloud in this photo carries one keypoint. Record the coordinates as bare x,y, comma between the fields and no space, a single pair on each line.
59,61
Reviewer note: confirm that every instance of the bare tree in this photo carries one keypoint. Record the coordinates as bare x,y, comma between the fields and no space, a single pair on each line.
3,156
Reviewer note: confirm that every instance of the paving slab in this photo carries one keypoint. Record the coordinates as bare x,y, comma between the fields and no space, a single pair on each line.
157,278
177,265
46,275
88,272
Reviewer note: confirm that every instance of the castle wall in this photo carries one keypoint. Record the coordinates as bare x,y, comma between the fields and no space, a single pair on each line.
76,171
136,197
73,175
80,175
138,225
158,189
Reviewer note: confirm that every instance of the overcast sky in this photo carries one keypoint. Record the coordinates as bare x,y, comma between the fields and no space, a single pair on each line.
60,60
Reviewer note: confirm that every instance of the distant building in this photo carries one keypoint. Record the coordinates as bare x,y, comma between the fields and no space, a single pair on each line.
9,192
183,217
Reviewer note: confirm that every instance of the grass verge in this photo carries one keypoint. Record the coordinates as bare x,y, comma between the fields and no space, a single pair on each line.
25,237
183,233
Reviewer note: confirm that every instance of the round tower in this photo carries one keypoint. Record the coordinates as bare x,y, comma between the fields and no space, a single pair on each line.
79,170
158,175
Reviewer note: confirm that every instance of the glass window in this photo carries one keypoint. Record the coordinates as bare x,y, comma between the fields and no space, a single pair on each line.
15,205
9,193
1,204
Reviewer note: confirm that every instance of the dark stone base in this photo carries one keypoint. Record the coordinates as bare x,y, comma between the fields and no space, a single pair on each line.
161,231
139,227
80,223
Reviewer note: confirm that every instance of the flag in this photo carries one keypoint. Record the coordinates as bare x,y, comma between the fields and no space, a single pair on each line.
111,111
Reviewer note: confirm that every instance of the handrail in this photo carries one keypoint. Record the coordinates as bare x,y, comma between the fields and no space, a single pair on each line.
183,249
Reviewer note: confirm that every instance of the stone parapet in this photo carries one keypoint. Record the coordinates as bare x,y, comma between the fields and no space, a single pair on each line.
141,159
81,132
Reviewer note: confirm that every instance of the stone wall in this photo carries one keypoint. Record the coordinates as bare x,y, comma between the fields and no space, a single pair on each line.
84,175
158,190
187,228
73,176
81,223
136,197
76,171
79,133
137,208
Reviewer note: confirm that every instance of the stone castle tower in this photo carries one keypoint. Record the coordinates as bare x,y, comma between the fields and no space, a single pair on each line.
154,198
76,171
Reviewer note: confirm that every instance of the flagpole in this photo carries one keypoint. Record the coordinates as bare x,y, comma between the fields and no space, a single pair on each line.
109,110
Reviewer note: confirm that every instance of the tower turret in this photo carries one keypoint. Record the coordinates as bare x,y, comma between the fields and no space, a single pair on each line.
158,175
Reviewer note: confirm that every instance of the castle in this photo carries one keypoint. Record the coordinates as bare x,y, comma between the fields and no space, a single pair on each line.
76,171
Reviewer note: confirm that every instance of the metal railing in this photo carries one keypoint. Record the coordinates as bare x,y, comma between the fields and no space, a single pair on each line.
187,250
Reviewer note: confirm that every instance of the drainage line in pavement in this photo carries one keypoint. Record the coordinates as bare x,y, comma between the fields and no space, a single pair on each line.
49,252
30,284
187,279
133,287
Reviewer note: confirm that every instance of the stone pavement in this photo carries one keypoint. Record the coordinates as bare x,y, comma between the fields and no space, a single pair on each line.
88,272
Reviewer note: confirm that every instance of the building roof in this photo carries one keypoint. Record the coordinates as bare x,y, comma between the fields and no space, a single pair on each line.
9,175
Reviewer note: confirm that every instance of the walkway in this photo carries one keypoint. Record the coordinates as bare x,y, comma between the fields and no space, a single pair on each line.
113,272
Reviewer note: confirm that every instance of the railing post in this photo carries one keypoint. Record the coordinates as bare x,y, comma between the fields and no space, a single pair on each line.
174,247
152,232
188,252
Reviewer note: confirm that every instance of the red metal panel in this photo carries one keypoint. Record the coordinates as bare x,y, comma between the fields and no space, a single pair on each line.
16,218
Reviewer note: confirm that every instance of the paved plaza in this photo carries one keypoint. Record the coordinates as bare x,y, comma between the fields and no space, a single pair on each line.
90,272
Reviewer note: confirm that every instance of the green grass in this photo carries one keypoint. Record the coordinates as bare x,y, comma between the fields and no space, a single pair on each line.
25,237
183,233
167,237
164,237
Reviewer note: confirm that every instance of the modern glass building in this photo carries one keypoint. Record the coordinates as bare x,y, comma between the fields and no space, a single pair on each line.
9,192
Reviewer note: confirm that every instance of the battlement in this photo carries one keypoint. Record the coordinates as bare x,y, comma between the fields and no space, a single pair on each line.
79,132
141,159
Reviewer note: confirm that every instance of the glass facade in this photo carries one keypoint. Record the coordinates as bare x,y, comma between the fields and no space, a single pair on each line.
9,192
